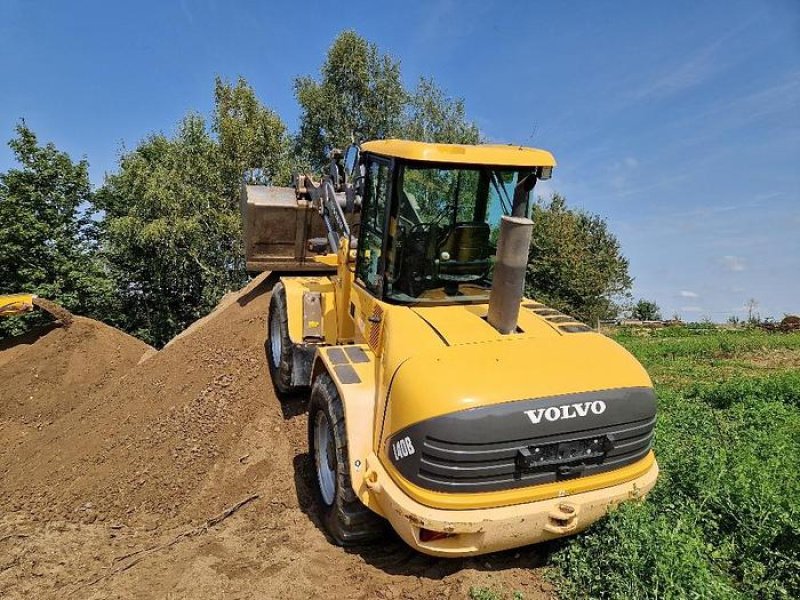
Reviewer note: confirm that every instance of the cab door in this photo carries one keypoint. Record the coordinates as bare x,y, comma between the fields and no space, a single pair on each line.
371,254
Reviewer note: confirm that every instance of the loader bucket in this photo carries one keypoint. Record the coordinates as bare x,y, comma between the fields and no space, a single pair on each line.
277,226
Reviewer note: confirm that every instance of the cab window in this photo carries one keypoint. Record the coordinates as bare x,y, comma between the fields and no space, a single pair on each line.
369,267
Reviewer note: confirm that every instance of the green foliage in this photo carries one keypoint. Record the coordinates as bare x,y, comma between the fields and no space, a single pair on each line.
575,263
778,387
646,310
431,116
482,593
640,553
672,343
250,135
724,519
171,232
46,235
172,228
359,94
485,593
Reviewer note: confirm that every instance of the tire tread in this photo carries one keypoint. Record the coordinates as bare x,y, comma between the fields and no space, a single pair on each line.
348,520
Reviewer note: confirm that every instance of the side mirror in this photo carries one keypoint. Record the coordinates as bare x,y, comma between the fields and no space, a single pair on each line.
351,161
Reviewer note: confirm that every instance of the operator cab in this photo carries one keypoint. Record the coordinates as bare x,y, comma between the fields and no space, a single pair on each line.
431,213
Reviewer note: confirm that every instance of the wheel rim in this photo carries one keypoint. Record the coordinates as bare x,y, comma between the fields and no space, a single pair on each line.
275,345
325,457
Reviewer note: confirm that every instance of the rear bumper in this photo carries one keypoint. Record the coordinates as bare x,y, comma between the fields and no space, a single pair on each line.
479,531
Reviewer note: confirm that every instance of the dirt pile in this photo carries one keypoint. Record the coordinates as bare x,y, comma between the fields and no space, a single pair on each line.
121,495
48,372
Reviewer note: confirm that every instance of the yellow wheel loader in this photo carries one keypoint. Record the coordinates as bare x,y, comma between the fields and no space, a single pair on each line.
18,304
442,401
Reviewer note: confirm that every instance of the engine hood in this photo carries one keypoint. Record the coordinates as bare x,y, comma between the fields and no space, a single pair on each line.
467,409
480,369
456,325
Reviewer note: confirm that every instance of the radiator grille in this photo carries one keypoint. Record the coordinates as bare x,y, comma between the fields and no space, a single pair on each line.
474,467
528,442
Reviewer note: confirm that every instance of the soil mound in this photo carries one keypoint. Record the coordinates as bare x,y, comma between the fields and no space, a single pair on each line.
187,477
130,442
48,372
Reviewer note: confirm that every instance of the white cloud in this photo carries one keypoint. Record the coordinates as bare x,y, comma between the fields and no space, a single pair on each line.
733,263
688,294
691,309
696,68
631,162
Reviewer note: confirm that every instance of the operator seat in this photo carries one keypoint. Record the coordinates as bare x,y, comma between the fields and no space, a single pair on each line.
467,245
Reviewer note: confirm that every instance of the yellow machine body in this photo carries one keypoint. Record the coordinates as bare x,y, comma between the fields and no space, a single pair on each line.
427,362
412,378
16,304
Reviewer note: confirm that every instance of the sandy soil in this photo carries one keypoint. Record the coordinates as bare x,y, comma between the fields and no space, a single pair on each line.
118,477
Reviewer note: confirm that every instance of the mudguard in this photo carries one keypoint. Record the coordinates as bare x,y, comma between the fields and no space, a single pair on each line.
352,369
311,308
305,328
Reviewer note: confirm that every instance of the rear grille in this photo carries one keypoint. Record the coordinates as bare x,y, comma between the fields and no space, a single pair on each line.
527,442
448,464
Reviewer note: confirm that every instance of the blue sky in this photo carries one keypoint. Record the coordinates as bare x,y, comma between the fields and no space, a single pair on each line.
679,122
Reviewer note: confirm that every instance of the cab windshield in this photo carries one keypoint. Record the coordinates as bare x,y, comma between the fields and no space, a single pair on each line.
447,222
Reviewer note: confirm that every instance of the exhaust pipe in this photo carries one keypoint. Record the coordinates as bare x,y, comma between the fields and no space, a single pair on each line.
509,273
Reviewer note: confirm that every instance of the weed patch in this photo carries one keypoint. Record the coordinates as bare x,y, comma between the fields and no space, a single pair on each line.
724,519
780,387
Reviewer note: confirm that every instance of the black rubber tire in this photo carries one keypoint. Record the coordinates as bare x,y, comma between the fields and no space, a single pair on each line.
347,520
281,374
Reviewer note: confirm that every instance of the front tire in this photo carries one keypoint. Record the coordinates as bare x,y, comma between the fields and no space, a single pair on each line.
280,349
343,515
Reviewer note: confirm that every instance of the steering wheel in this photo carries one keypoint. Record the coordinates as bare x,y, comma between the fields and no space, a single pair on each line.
421,240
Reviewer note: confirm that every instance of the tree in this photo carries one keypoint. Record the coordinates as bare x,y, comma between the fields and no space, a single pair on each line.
250,135
575,263
46,235
753,317
431,116
359,94
646,310
171,233
172,227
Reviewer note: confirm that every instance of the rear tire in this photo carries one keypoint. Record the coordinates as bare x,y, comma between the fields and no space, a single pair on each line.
280,349
343,515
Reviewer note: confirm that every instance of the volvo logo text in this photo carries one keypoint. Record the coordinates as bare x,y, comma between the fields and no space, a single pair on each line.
566,411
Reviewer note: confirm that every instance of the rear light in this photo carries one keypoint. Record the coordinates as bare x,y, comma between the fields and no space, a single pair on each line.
426,535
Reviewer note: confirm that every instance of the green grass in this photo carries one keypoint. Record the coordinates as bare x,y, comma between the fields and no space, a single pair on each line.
724,518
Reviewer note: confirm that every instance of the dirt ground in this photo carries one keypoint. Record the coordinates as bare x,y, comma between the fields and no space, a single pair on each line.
127,473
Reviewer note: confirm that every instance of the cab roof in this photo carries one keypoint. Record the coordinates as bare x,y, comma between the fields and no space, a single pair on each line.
462,154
